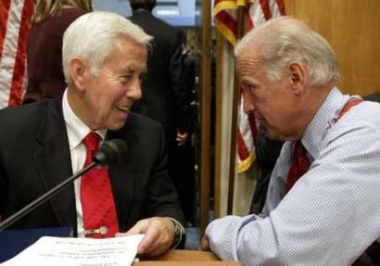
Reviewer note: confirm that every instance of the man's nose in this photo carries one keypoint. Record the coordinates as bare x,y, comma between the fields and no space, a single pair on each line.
248,106
134,91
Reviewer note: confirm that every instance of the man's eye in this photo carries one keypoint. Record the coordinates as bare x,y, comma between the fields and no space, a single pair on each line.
124,79
248,87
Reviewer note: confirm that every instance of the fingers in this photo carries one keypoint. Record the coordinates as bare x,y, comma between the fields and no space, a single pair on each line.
205,244
180,143
139,228
148,244
159,235
181,138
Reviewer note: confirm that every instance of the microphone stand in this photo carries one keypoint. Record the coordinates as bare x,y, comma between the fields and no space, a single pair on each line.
44,197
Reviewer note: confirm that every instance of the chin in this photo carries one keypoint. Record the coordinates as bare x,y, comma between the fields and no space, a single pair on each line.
270,133
116,125
274,135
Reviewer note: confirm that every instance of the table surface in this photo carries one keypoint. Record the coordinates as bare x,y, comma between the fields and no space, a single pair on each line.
186,258
194,258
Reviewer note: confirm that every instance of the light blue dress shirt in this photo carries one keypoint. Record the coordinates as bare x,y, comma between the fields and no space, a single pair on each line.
332,213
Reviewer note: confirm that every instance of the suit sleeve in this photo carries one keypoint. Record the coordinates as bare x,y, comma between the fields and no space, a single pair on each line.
163,198
2,191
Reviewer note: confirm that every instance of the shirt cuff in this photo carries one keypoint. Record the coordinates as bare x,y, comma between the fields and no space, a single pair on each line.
179,232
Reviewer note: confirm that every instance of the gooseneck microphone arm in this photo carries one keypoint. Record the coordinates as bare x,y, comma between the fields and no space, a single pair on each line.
37,202
108,153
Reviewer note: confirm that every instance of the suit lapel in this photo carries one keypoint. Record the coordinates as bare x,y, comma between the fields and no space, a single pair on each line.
123,177
54,164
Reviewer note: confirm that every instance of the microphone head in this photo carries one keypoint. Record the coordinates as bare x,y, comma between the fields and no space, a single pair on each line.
110,152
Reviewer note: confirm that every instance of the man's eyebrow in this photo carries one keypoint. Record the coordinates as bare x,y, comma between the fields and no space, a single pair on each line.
126,70
245,81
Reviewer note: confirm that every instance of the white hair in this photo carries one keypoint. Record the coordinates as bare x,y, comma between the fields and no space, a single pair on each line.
285,40
90,38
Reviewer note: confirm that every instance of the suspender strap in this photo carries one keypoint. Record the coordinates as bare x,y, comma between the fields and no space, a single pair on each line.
348,106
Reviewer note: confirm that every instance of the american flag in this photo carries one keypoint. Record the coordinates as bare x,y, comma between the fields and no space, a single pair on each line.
15,16
225,17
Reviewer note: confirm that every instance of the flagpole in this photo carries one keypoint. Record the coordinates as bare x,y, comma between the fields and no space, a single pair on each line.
235,99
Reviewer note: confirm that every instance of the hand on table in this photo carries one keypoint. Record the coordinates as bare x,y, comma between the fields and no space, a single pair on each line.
159,235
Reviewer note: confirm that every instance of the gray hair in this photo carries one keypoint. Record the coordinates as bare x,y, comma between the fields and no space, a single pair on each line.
284,40
90,38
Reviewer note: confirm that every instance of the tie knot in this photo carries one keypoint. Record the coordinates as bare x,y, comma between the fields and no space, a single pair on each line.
299,166
91,141
299,150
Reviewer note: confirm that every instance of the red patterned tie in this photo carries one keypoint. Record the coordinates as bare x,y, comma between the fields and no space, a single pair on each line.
301,163
299,166
99,212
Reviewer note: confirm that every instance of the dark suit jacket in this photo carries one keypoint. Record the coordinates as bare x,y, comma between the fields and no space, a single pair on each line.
35,156
161,86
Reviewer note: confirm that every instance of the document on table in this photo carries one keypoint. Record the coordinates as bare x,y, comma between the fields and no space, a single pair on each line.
61,251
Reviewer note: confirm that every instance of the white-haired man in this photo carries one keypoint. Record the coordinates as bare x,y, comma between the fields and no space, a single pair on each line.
104,59
331,214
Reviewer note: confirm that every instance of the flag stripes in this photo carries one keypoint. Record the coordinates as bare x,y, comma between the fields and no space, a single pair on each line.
15,21
225,16
228,26
4,13
265,10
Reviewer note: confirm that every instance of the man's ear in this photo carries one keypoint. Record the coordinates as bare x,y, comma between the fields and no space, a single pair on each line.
297,76
79,73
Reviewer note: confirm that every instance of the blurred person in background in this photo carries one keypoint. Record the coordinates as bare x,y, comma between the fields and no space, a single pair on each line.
164,96
44,46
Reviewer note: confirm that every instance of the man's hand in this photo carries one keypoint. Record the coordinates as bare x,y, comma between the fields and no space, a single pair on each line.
205,244
159,235
181,137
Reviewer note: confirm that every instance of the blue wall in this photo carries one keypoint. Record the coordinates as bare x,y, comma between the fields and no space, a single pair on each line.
175,12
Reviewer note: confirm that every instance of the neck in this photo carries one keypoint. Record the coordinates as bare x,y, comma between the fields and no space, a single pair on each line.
77,106
316,97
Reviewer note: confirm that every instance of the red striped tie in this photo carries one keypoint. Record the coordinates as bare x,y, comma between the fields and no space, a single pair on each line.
99,212
299,166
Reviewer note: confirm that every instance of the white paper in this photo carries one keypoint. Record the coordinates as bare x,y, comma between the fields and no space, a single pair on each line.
61,251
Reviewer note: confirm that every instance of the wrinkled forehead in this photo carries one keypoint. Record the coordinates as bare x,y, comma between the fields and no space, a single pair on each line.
127,53
124,41
248,60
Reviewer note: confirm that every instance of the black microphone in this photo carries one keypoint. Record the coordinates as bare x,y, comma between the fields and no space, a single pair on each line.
109,153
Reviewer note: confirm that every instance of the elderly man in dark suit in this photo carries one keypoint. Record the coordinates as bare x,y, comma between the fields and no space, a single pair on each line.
104,58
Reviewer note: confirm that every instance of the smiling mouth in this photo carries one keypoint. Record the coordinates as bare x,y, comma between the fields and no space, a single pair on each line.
123,108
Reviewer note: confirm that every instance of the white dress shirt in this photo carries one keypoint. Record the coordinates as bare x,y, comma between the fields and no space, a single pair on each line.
332,213
76,132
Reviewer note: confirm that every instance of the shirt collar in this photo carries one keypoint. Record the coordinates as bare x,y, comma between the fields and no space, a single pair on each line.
323,120
76,129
